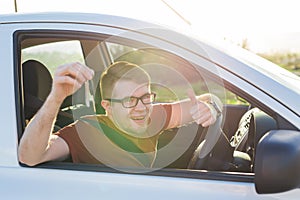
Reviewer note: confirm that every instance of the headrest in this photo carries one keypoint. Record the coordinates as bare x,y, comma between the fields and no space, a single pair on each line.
37,79
37,83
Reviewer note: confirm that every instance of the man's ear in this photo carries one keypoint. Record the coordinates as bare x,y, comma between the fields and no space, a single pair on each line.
105,104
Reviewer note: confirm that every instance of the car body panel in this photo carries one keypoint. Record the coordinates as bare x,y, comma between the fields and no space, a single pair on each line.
44,183
48,183
8,144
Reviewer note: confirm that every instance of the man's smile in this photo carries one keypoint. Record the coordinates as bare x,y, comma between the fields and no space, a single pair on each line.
139,119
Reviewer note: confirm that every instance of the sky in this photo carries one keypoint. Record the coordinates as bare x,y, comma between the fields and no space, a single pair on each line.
266,25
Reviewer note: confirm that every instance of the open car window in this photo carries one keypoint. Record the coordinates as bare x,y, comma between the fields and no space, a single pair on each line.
243,120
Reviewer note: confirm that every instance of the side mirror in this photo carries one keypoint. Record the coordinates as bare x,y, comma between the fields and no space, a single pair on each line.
277,162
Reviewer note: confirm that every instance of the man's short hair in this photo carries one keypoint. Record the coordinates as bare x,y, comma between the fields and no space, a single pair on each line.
121,70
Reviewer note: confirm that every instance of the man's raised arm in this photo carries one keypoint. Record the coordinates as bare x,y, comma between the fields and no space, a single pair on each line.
37,144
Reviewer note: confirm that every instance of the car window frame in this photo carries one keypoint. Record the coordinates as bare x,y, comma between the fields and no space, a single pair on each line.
247,177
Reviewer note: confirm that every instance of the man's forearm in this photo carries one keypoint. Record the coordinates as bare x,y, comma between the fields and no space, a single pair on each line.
35,139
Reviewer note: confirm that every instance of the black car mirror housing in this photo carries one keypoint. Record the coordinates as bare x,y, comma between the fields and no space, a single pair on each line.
277,162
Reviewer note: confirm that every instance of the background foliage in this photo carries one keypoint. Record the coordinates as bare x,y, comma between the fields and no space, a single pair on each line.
289,61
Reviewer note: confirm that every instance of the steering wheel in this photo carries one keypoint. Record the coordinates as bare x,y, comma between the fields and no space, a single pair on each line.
202,153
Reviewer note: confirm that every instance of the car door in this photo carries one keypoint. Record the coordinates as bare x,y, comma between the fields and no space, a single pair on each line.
83,180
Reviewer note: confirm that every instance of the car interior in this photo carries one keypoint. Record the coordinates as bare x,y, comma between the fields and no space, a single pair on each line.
244,122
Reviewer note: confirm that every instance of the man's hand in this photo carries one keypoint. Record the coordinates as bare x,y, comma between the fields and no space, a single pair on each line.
68,79
201,112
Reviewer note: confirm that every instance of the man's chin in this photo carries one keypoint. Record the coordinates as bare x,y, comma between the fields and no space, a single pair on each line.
138,129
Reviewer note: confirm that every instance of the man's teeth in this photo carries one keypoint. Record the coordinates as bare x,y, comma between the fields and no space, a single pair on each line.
138,118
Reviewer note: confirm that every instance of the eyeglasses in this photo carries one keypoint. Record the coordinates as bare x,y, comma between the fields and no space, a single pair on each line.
132,101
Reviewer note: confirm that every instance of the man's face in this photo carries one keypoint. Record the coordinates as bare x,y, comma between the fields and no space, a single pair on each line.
134,120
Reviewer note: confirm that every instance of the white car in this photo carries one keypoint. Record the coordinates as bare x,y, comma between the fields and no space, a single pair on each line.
255,156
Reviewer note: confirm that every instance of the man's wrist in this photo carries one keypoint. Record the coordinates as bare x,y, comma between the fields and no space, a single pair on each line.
53,102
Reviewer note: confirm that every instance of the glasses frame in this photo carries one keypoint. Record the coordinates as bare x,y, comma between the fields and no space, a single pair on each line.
122,101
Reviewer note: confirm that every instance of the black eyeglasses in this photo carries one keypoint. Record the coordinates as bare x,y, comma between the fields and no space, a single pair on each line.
130,102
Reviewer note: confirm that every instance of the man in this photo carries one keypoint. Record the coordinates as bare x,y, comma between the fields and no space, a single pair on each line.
126,136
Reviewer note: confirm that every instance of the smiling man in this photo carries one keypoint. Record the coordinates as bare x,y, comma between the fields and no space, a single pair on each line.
126,136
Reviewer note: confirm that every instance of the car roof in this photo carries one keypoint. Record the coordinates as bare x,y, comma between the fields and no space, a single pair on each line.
70,17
